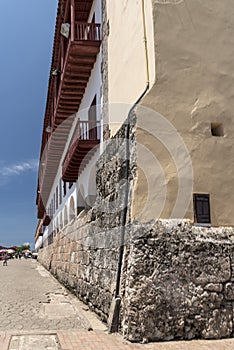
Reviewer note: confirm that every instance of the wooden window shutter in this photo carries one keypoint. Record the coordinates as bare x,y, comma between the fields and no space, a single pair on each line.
202,208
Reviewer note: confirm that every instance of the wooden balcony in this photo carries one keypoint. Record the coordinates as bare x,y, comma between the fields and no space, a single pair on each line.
40,208
81,150
77,57
73,58
46,220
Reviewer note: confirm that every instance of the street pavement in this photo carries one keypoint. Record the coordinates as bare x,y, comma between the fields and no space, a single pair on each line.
37,312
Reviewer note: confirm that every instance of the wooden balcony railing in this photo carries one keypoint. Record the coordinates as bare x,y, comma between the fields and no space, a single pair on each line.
86,131
87,31
76,57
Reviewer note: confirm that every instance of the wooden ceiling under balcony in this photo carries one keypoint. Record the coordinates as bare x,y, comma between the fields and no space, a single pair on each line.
80,53
82,10
80,59
79,157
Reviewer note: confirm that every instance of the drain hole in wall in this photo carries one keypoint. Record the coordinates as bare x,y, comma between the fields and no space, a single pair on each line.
217,129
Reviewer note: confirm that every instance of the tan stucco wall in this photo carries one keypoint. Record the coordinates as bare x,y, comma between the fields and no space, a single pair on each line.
126,56
194,48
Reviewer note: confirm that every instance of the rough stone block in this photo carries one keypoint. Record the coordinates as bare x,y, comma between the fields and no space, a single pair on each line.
229,291
214,287
214,270
219,325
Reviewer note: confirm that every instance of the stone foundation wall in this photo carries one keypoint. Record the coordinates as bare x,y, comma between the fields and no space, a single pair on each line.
84,255
179,282
81,260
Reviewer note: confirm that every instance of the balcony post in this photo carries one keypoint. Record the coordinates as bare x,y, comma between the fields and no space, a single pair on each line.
55,97
72,20
62,52
78,131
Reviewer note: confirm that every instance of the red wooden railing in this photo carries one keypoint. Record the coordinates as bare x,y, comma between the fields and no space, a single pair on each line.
80,31
86,131
87,31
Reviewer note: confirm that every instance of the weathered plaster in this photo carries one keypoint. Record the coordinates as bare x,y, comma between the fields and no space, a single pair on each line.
194,48
126,55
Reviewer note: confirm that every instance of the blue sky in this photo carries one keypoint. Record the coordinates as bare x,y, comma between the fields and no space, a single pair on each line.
26,39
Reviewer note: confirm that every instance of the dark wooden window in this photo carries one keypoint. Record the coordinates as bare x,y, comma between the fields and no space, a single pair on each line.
54,204
93,120
56,197
64,188
201,208
60,191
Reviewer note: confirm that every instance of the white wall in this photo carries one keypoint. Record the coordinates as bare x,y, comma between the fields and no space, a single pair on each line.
38,243
127,70
86,180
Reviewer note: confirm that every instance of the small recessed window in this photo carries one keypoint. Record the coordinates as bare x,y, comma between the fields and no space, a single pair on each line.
217,129
201,208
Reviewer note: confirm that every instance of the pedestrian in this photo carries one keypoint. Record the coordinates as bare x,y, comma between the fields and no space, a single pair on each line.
5,257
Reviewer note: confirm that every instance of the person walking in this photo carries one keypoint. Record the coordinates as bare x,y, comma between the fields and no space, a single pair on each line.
5,257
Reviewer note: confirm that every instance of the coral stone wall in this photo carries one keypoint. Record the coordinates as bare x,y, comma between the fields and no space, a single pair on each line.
179,282
80,259
84,255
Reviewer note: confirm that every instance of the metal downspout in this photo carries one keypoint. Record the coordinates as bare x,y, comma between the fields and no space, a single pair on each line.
127,170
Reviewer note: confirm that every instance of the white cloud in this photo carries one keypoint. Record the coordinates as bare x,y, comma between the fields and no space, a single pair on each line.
19,168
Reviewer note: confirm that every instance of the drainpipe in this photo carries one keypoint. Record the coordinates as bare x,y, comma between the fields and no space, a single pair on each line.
126,192
72,20
146,45
115,308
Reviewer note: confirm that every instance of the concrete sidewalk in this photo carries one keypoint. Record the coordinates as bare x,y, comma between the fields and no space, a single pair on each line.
38,313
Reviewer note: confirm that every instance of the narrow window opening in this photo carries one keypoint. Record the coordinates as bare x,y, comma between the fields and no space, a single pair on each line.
60,191
54,204
64,188
217,129
56,198
201,208
93,120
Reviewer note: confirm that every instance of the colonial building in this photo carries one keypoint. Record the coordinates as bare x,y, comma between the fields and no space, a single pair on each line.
135,181
74,84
